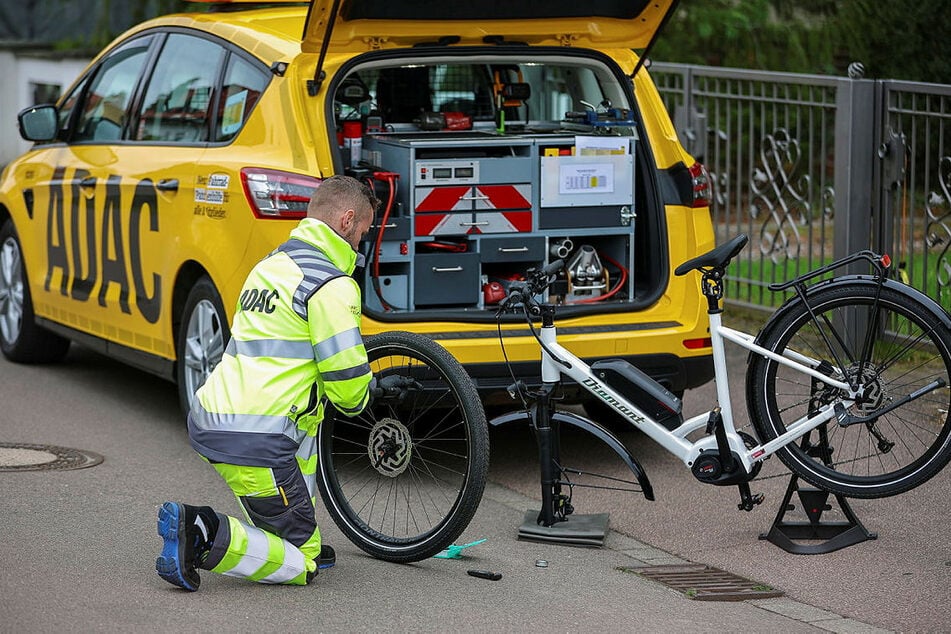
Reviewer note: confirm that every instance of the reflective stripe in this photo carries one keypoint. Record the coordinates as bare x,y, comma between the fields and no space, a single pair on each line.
260,556
308,286
273,348
243,439
274,563
346,373
315,266
293,565
298,249
338,343
254,555
307,463
251,423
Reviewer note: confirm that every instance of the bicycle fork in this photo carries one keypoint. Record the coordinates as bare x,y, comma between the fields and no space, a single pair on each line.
555,505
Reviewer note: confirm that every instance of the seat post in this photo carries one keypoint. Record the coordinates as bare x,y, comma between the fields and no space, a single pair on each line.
712,287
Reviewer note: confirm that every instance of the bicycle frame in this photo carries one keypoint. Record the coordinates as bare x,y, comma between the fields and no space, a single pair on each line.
676,441
722,455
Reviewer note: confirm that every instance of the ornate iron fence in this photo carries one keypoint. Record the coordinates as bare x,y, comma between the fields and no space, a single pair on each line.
815,167
915,184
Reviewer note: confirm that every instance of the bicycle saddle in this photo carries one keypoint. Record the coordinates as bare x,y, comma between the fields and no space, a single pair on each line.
717,258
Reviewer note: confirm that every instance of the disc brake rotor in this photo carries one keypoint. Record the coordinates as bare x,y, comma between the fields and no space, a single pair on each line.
873,394
390,447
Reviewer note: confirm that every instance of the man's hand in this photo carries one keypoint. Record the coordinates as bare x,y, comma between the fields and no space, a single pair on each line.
393,387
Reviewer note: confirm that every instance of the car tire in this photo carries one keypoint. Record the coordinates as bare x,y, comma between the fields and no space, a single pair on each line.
21,339
203,334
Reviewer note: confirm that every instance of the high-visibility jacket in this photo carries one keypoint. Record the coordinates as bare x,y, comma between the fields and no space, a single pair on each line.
295,338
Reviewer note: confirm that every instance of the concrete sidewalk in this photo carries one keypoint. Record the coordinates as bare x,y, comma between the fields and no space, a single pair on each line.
629,553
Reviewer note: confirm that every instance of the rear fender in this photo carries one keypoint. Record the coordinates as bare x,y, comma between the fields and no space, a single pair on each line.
853,281
567,418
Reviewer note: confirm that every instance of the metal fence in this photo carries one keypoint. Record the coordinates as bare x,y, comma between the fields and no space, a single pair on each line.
815,167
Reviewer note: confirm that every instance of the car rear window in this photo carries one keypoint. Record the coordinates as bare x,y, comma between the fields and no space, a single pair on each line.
243,85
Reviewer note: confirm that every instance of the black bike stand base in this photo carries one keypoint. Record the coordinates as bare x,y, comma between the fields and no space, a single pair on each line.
587,531
831,536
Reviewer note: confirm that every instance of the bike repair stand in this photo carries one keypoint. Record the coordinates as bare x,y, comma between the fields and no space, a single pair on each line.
556,521
833,535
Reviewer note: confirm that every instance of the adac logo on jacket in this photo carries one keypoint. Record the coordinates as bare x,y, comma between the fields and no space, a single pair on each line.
261,300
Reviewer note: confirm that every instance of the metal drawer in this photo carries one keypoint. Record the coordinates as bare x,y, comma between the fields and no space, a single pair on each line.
442,279
513,250
395,229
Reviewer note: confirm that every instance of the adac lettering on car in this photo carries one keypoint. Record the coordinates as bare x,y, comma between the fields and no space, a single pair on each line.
110,243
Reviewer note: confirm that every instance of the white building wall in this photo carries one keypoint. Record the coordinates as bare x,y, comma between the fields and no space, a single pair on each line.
18,72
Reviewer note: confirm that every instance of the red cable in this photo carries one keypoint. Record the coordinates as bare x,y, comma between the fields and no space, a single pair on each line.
390,178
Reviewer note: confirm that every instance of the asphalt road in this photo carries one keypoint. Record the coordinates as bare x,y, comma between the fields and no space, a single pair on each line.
78,547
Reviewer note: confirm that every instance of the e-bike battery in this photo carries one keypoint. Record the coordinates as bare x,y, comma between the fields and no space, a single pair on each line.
640,389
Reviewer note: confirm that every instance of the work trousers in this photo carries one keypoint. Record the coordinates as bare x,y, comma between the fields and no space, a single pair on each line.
280,541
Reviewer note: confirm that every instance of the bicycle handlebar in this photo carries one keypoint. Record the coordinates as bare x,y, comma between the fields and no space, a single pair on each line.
523,293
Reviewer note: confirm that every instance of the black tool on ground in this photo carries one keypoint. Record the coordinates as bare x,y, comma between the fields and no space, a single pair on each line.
485,574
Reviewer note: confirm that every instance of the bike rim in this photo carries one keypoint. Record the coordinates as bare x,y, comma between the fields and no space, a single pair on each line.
11,291
401,470
905,355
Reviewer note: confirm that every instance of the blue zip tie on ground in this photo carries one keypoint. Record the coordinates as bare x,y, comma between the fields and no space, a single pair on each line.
455,552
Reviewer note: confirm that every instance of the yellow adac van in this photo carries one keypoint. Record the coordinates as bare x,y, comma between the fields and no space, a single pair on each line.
499,137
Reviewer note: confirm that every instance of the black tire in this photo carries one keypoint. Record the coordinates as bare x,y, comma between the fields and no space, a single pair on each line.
417,500
203,334
21,339
897,451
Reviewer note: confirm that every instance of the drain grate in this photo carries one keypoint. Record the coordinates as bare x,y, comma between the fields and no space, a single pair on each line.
705,583
24,457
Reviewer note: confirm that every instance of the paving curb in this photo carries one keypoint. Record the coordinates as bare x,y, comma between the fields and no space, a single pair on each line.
643,554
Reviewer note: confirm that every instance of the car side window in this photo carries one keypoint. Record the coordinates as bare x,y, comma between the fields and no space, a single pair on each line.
177,104
243,85
105,107
68,104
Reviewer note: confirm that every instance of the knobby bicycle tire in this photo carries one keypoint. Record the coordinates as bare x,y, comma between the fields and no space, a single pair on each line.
403,479
911,347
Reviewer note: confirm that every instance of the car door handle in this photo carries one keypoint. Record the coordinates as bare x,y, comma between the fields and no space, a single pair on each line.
89,181
167,185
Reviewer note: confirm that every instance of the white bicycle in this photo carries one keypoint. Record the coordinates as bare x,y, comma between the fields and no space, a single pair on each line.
855,368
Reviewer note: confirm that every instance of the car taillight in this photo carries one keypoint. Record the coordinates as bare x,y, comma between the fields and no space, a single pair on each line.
275,194
700,180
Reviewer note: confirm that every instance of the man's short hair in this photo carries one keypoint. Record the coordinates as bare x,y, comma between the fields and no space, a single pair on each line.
339,193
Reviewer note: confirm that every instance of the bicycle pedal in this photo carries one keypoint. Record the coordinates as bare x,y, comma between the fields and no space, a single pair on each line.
749,503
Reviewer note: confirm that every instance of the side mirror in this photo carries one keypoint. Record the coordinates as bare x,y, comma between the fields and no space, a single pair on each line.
39,123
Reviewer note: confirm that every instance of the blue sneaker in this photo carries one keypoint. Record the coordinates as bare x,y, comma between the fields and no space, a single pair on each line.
326,559
176,564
